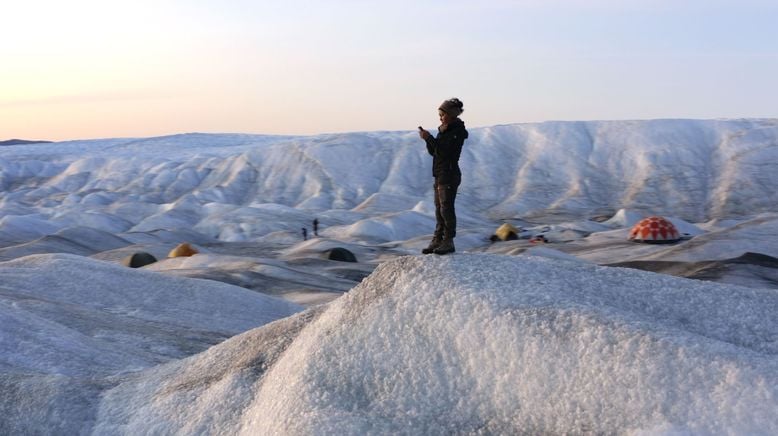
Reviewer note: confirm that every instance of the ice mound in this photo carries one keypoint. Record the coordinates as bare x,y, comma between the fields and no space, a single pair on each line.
71,315
71,327
480,344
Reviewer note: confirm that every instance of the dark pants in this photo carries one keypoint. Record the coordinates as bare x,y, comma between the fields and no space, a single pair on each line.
445,215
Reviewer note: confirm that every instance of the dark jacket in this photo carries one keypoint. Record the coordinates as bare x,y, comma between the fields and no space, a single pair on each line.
445,150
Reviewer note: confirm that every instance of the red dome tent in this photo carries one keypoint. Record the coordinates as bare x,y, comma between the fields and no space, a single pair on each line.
654,230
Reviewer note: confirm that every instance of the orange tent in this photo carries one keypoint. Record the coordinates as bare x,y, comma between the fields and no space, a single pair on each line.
654,229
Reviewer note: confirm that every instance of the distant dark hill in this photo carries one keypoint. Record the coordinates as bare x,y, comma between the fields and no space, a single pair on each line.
21,142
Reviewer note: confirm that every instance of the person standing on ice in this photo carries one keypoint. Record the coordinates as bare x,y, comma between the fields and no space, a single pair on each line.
445,149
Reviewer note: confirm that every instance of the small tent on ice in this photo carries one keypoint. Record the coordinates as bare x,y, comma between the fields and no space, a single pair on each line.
139,259
506,232
183,250
340,254
654,230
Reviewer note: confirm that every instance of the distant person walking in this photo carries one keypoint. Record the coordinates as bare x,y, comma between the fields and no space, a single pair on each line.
305,234
445,149
316,227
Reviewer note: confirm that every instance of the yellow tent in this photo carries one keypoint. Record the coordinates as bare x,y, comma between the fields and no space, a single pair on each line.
507,232
183,250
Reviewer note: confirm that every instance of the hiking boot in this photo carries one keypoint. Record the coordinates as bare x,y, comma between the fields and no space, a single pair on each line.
431,248
446,246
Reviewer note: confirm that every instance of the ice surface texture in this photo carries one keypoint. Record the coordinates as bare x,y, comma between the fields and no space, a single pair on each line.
474,344
71,327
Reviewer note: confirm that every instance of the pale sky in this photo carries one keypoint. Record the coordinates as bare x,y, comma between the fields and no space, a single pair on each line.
80,69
